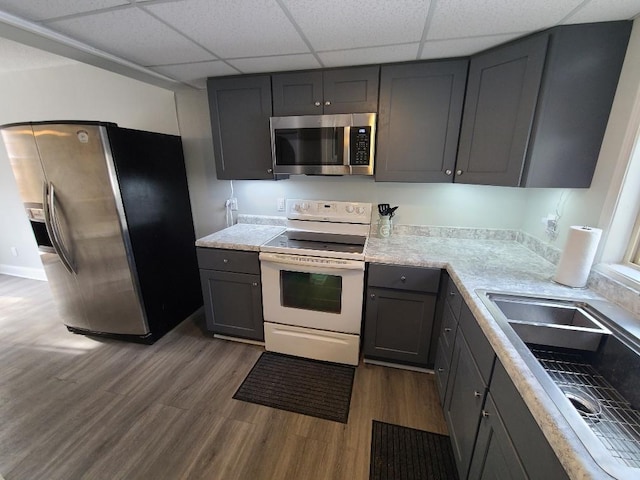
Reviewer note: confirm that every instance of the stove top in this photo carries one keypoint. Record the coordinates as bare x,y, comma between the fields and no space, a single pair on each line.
327,229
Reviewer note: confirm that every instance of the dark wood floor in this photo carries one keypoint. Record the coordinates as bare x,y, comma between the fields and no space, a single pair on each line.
72,407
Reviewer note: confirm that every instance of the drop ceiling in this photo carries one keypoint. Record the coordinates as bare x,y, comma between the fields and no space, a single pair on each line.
174,42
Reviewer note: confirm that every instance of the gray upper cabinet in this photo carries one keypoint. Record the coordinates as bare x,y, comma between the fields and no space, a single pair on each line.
316,92
419,120
536,109
240,108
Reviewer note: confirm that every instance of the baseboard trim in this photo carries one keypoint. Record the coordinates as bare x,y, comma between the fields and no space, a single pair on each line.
25,272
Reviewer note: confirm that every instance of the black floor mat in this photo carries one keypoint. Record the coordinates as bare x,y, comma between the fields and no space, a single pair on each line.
401,453
299,385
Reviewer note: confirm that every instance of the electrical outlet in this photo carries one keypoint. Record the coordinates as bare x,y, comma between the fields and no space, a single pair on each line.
280,204
233,202
14,251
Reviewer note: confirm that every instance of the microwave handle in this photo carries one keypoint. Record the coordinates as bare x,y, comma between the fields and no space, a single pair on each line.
347,147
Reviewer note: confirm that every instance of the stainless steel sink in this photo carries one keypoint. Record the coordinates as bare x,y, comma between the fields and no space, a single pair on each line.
557,323
586,356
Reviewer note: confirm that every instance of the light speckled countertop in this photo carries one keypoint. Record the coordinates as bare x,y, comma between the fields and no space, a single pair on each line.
497,265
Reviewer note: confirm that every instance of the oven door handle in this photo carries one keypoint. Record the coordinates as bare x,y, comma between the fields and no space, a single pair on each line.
318,264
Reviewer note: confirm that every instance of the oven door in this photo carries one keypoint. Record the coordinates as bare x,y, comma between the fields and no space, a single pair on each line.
312,292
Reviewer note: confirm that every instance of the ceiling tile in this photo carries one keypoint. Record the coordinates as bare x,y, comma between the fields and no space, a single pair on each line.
343,24
196,73
464,18
275,64
43,9
460,47
134,35
242,28
363,56
604,10
16,56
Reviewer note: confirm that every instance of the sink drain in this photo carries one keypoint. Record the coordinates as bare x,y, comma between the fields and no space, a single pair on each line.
585,404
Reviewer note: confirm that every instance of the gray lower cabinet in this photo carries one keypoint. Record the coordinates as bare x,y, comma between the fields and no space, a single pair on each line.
399,316
536,108
419,120
331,91
232,292
240,108
492,431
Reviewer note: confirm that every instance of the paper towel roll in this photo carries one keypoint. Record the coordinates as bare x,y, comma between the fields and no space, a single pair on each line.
577,256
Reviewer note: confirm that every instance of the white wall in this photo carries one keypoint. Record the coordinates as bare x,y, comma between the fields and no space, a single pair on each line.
71,92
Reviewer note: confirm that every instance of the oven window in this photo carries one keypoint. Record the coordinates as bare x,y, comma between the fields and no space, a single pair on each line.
310,146
311,291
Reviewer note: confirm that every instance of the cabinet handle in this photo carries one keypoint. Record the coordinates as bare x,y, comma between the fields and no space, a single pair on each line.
485,414
476,393
373,295
269,170
458,172
255,284
452,294
448,172
447,329
225,260
403,278
327,103
441,369
317,104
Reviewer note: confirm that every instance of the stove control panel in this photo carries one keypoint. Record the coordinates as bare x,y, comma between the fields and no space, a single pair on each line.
329,211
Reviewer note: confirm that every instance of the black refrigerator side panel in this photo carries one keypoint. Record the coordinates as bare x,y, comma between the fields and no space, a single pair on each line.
153,183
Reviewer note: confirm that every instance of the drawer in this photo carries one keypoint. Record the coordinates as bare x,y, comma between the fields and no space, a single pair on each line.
454,299
480,347
419,279
448,333
228,260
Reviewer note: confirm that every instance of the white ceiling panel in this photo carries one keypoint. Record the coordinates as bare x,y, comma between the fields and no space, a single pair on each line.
465,18
343,24
363,56
602,10
460,47
196,73
134,35
275,64
16,56
239,28
42,9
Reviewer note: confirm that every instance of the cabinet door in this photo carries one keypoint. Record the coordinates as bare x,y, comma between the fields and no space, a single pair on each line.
297,93
398,325
494,456
419,121
240,108
502,92
351,90
441,370
463,403
233,303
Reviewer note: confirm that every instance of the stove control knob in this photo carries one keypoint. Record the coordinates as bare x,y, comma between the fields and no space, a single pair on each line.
349,208
360,210
304,206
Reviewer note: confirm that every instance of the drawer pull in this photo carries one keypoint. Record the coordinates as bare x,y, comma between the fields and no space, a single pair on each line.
476,393
441,369
447,329
485,414
403,278
452,294
373,295
224,260
255,284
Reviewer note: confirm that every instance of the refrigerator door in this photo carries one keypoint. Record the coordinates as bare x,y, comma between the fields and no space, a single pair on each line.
25,163
83,208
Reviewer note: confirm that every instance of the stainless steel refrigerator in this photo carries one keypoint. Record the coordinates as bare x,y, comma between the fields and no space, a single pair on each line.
110,211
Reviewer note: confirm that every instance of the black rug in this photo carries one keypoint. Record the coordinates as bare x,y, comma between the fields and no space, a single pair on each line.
401,453
300,385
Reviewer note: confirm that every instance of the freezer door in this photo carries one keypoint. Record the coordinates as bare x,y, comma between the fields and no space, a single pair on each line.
91,231
25,163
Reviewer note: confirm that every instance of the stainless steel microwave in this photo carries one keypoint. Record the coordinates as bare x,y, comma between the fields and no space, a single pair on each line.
323,144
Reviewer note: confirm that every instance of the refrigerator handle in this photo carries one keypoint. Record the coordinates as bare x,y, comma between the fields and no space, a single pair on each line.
51,222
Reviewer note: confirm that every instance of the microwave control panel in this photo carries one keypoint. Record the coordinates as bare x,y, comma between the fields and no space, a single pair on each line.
360,145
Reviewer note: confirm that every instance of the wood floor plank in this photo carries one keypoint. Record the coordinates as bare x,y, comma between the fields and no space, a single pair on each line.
74,407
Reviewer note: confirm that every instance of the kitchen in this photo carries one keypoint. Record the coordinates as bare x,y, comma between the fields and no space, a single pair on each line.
426,204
